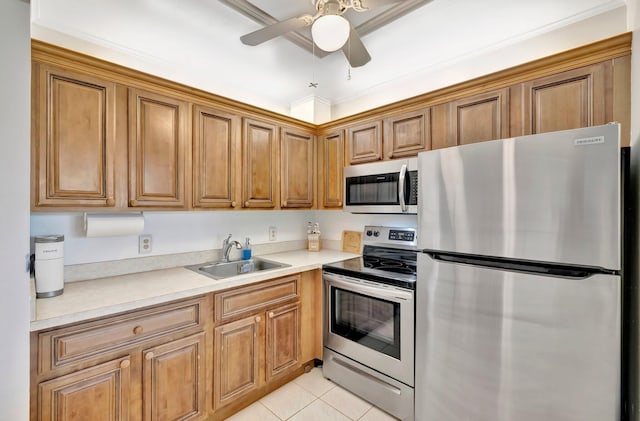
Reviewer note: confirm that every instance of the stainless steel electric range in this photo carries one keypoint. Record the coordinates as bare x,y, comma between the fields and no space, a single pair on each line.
369,318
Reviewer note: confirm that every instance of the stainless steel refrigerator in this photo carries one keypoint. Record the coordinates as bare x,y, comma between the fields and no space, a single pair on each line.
518,310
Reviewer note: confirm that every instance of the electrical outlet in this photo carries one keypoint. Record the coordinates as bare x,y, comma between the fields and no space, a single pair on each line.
273,233
144,244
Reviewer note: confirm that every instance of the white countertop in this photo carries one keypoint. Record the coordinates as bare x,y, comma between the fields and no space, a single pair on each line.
105,296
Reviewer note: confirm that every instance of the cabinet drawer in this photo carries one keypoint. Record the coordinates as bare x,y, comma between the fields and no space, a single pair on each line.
240,301
68,345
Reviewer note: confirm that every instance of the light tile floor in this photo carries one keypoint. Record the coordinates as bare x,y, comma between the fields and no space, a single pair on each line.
311,397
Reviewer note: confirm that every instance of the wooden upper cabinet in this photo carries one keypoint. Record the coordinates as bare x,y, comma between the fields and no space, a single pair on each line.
173,380
216,160
364,142
297,169
73,139
157,150
260,164
100,393
568,100
480,117
330,166
407,134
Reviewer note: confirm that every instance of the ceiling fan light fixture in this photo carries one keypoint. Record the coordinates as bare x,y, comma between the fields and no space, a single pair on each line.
330,32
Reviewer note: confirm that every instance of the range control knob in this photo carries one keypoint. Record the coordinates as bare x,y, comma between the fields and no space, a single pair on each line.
376,233
369,233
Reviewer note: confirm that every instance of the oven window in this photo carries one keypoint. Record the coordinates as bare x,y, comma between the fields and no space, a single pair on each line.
373,189
369,321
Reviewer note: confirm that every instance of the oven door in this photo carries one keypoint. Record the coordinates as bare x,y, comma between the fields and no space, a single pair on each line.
370,323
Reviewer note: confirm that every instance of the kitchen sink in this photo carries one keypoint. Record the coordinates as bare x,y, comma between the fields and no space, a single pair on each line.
221,270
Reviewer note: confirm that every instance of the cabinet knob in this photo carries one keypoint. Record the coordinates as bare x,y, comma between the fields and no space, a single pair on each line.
246,204
149,355
258,319
233,204
271,314
137,330
125,363
111,201
340,203
284,203
133,202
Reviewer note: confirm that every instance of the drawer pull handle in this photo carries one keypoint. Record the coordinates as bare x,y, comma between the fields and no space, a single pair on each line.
125,363
137,330
258,319
149,355
271,314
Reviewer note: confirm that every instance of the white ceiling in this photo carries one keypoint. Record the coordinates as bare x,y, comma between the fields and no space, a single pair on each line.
196,42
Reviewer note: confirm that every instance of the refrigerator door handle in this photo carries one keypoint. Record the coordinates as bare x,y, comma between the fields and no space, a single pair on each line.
401,183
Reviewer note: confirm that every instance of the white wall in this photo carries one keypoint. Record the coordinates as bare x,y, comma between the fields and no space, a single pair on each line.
14,198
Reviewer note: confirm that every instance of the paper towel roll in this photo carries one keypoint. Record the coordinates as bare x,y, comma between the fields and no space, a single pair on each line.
112,225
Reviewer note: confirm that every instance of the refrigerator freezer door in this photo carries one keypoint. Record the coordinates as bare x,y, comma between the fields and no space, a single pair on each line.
552,197
503,346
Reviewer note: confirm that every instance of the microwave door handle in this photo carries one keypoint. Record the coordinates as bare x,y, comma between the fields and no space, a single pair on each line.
401,183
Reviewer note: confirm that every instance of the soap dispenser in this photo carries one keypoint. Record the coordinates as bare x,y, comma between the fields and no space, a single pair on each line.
246,250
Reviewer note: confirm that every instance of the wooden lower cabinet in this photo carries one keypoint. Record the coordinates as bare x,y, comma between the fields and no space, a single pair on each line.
283,340
97,393
238,348
173,380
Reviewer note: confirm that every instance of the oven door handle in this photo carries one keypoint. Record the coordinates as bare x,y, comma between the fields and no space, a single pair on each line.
355,285
401,183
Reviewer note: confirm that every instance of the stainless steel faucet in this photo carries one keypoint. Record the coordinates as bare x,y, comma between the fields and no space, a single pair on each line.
227,243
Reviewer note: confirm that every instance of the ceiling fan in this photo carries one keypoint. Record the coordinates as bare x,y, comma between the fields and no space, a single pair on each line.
329,29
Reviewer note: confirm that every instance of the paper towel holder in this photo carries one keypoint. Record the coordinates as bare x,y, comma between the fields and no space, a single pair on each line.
118,224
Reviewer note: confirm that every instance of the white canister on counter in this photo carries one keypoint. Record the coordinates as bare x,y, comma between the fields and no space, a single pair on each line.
49,265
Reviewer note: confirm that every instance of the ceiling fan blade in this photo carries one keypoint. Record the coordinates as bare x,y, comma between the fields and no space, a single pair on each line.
277,29
355,51
372,4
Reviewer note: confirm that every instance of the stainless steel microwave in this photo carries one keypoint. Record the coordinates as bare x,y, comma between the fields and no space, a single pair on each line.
382,187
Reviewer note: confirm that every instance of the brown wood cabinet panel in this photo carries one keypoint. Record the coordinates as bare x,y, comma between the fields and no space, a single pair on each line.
66,346
260,164
157,150
298,169
216,160
97,393
283,340
311,315
239,358
364,142
173,380
74,139
241,301
331,166
480,117
568,100
407,134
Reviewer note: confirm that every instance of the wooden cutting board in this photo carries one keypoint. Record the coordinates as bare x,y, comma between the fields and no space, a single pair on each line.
352,241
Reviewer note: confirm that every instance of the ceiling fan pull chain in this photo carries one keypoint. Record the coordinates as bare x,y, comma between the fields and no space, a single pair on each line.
313,83
349,61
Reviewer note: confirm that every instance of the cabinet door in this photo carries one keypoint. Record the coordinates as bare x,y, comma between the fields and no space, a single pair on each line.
364,143
283,340
157,150
215,158
479,118
407,134
99,393
238,357
297,163
73,139
174,380
260,161
331,165
568,100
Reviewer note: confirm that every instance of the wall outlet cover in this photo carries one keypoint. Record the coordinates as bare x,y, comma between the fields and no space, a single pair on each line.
144,244
273,233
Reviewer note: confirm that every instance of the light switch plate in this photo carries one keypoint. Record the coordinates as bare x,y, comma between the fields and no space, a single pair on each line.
144,244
